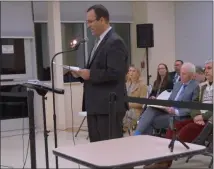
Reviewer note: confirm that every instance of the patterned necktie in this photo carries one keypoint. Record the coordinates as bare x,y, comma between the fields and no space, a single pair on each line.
94,49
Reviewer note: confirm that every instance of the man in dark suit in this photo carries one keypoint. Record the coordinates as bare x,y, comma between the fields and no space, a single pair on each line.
185,90
175,75
104,73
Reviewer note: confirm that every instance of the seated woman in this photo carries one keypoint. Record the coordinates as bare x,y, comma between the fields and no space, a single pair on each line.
163,81
135,88
188,130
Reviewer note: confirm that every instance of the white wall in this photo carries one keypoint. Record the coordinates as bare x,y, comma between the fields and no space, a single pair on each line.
75,10
194,27
162,15
139,10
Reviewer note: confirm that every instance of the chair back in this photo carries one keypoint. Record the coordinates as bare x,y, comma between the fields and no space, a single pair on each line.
149,90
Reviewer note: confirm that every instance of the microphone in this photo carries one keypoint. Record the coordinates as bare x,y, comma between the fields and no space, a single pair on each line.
76,42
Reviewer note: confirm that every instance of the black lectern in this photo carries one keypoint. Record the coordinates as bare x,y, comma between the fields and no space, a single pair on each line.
42,89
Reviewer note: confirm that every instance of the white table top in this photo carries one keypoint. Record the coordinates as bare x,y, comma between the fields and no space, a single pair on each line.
134,150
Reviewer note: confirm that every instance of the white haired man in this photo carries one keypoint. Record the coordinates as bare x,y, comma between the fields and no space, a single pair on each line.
188,130
185,90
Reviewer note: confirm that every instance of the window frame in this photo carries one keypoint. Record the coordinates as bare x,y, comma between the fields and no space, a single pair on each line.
29,53
86,54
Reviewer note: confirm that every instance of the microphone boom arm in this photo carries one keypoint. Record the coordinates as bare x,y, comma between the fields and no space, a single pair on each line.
73,48
53,93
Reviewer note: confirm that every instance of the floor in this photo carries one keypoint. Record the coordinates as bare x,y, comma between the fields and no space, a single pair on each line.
14,142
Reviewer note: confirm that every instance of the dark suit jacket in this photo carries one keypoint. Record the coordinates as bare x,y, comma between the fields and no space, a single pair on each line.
172,75
108,70
191,93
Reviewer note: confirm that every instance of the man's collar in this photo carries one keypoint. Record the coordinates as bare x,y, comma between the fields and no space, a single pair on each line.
187,83
105,32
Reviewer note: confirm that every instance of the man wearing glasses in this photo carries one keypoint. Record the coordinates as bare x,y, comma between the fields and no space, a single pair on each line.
175,76
104,73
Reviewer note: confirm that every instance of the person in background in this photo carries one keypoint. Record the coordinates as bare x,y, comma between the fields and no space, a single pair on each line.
175,76
104,73
185,90
135,88
188,130
163,81
199,75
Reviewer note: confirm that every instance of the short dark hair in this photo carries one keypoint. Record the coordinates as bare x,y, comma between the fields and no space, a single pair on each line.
182,62
100,11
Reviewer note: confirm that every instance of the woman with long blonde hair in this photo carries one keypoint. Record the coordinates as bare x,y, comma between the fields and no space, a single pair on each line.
135,88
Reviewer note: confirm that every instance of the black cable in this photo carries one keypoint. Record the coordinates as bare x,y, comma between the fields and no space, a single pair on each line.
23,141
72,112
24,161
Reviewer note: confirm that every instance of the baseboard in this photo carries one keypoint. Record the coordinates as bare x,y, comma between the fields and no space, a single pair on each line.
75,129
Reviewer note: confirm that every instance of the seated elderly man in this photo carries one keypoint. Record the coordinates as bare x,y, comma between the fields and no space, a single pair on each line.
185,90
188,130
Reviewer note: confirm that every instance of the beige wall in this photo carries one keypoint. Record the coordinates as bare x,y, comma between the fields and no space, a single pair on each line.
73,105
162,15
139,17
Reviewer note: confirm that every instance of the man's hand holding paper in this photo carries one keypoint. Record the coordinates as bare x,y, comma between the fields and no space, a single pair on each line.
170,110
84,73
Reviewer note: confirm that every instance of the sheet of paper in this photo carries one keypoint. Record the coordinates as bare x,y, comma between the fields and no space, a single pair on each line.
33,81
163,96
37,82
74,68
7,49
157,106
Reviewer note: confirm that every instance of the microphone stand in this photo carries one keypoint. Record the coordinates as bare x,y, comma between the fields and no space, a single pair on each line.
53,93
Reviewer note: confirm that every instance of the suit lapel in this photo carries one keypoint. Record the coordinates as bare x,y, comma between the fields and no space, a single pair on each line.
89,58
176,91
99,47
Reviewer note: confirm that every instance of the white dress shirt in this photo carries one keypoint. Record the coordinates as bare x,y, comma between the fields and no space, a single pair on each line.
103,35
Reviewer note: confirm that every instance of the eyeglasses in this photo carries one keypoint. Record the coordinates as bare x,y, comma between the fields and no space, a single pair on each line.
161,68
91,21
